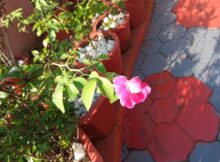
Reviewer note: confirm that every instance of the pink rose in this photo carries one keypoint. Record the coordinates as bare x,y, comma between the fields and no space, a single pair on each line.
130,92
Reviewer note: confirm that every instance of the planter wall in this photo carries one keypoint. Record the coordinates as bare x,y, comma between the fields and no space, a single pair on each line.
20,43
89,147
137,10
99,121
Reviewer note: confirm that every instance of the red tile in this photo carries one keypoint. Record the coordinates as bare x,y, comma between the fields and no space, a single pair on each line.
163,110
199,121
139,132
170,144
198,13
158,77
162,89
140,108
189,90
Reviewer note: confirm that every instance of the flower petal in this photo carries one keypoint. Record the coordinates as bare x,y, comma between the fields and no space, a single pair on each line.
119,80
126,101
135,85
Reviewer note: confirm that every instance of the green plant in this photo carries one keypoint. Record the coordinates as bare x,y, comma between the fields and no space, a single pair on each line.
37,120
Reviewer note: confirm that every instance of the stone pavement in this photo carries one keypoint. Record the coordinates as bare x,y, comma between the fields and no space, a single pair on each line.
180,59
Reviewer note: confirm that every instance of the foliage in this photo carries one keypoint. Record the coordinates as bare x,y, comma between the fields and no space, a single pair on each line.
37,120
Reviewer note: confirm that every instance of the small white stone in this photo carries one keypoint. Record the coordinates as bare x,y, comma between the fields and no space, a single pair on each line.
93,53
78,112
20,62
79,153
112,42
106,20
115,18
13,69
105,28
113,25
97,15
88,48
110,16
109,47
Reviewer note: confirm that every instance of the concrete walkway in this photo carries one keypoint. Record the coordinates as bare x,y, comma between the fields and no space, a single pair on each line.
180,59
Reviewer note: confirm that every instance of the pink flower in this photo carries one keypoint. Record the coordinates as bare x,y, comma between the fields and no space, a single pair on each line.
130,92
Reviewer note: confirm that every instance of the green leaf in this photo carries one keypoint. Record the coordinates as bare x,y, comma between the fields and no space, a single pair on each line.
72,92
88,93
52,35
58,98
100,67
106,88
3,94
94,75
80,82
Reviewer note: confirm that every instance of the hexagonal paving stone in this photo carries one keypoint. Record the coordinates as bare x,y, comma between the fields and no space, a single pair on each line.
151,46
208,71
139,156
198,13
195,34
163,110
153,64
171,32
181,67
206,152
215,98
139,132
139,61
164,6
204,49
159,77
177,47
163,89
153,31
200,121
139,109
167,18
166,139
189,90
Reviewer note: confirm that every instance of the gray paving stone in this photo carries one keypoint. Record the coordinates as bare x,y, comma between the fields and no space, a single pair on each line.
138,73
196,33
164,6
139,61
208,71
153,64
167,18
206,152
153,31
151,46
181,67
179,46
214,34
218,137
215,98
155,17
204,50
124,152
171,32
139,156
158,1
